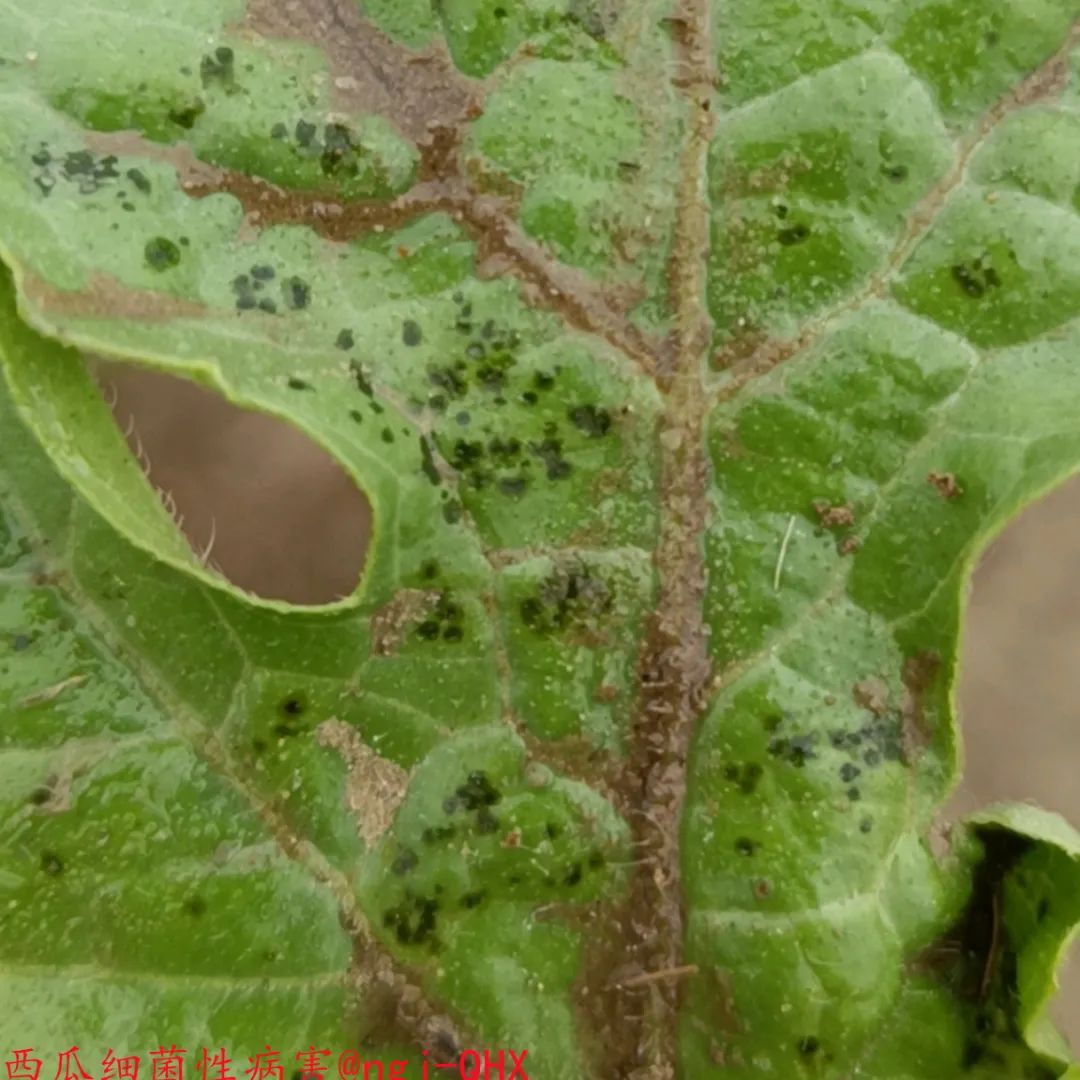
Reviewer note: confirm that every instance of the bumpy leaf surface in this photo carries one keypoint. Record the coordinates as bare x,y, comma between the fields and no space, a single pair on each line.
687,352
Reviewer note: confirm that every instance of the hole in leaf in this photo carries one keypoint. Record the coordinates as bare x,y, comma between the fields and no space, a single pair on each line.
1020,681
275,513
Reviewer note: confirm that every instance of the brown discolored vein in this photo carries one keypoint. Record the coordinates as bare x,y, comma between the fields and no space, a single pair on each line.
419,92
502,245
632,1006
744,361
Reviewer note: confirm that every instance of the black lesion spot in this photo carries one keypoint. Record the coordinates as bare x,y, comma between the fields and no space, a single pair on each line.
745,846
514,486
194,906
477,791
427,461
976,278
473,899
445,621
882,739
88,172
414,920
746,777
291,709
299,384
40,796
296,293
592,420
411,334
345,340
796,750
569,598
794,234
809,1045
140,180
51,863
293,705
219,69
340,152
244,292
550,452
361,378
436,834
404,862
185,116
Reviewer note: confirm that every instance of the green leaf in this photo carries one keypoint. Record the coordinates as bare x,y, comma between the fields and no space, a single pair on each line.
688,354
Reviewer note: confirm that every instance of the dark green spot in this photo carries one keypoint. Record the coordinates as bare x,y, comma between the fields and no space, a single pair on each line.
427,461
186,116
297,293
51,863
195,906
405,862
593,421
140,180
796,234
976,278
293,706
162,254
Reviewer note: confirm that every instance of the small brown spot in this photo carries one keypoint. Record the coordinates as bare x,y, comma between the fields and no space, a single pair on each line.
834,517
918,676
762,889
849,545
872,694
946,484
512,839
